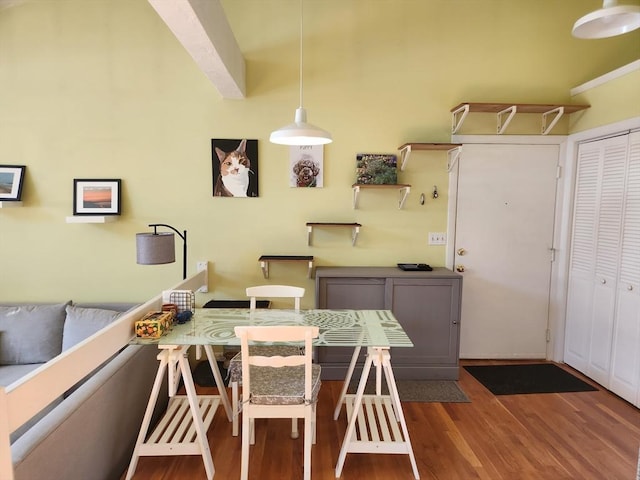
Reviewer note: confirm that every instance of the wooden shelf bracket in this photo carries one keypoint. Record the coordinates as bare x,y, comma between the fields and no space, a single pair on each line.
404,190
265,259
354,235
457,117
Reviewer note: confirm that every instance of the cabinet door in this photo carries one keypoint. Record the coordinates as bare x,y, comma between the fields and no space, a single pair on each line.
429,311
348,293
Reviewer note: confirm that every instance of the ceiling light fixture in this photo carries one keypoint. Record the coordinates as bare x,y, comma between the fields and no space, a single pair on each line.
611,20
300,132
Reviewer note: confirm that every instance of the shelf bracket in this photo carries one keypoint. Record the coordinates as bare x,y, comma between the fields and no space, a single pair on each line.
309,234
558,113
264,265
356,192
458,116
453,156
354,235
404,156
404,193
502,126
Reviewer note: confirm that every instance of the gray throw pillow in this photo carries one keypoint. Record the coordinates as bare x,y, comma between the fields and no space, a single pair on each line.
81,323
31,333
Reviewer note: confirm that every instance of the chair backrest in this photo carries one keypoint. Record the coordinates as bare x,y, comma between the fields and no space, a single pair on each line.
274,334
275,291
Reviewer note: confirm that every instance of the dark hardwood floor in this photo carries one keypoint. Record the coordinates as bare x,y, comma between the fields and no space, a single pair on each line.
577,436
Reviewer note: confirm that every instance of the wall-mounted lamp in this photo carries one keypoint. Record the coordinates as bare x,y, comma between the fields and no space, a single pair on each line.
159,248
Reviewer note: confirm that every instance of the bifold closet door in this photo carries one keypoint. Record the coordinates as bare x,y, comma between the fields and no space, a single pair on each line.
603,305
625,360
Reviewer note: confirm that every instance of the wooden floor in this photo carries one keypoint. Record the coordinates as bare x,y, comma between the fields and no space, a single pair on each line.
577,436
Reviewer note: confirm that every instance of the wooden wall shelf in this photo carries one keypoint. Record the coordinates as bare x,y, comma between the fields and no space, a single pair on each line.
265,259
354,226
460,112
407,148
404,189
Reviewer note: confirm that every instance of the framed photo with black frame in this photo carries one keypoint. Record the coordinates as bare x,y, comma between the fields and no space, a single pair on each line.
96,196
11,180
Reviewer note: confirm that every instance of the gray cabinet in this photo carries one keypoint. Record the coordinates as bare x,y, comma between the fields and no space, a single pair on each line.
427,304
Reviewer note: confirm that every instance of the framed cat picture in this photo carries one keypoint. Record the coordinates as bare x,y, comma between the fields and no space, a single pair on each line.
235,167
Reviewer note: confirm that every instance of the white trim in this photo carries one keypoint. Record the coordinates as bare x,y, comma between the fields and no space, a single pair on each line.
607,77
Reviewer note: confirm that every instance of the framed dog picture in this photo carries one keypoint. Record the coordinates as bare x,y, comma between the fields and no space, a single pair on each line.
96,196
235,167
306,166
11,180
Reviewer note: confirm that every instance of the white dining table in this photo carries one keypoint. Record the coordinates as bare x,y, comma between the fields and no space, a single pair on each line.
375,421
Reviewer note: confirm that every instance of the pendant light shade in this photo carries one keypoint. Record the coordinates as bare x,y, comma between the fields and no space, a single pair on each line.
300,132
611,20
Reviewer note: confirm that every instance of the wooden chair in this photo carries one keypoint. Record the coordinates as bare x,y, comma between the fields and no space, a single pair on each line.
235,364
278,386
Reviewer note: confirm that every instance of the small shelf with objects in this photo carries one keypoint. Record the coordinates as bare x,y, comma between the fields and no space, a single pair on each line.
452,149
403,188
551,113
266,259
354,226
92,219
10,204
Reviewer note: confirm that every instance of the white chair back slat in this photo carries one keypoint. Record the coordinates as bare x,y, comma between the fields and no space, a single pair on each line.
275,291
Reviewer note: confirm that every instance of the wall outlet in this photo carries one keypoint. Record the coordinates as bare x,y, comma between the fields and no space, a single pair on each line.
437,238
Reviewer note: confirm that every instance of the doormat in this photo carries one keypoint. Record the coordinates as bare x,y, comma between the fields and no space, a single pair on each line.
527,378
444,391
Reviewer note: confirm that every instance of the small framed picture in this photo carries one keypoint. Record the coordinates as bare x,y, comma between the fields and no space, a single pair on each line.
96,197
11,180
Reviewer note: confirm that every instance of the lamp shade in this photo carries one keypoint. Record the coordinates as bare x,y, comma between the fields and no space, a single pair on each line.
609,21
300,132
155,248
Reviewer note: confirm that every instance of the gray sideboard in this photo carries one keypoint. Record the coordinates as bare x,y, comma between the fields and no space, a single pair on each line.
427,305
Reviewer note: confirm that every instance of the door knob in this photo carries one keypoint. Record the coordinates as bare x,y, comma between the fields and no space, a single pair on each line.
460,268
461,251
630,287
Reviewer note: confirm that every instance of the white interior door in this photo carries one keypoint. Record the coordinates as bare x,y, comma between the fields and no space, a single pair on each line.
503,239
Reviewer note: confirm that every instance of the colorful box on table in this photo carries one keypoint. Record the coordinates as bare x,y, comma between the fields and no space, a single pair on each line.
154,324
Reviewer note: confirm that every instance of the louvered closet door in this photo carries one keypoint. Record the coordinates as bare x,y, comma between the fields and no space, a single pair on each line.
625,363
608,240
597,230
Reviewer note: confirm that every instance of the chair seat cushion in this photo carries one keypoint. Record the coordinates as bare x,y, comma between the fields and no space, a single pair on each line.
235,364
282,386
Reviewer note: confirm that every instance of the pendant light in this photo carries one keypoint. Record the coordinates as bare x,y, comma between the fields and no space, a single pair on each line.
300,132
611,20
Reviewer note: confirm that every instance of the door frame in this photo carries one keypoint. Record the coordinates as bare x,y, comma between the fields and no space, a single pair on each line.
556,307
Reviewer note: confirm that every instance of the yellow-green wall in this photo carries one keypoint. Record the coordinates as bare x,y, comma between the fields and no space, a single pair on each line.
102,89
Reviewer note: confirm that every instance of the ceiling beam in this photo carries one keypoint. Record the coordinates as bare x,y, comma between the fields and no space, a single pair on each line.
202,28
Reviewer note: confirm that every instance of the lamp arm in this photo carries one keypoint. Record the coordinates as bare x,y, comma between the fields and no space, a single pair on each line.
183,236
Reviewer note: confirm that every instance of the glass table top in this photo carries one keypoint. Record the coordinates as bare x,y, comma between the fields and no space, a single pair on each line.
213,326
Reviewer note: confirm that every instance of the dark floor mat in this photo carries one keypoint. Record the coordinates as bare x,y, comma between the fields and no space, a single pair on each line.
527,378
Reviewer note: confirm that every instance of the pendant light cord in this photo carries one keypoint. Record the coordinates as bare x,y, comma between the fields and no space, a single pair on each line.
301,35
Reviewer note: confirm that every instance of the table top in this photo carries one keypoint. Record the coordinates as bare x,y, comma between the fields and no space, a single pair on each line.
213,326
